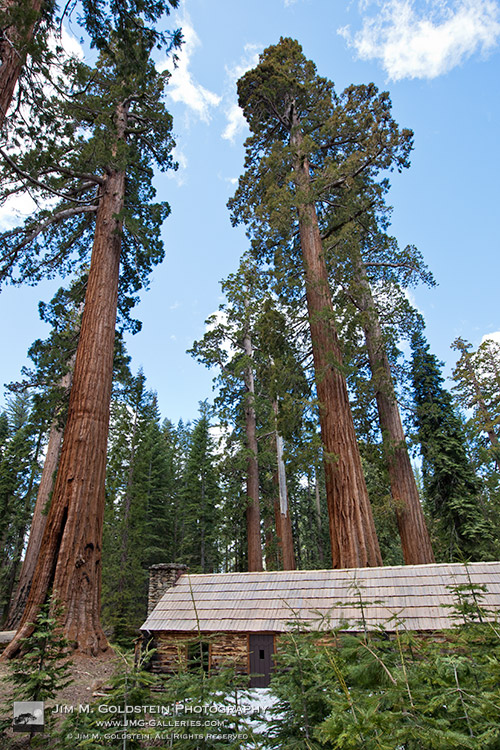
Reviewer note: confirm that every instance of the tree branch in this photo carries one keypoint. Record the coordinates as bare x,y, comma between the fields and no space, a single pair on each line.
36,182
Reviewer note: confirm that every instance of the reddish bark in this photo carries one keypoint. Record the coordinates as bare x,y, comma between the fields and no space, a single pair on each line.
14,43
317,503
253,507
39,518
352,530
415,539
70,555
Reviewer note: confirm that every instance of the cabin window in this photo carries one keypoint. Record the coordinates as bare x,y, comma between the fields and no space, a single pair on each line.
198,656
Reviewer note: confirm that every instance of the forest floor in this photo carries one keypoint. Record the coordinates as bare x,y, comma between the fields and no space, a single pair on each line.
89,676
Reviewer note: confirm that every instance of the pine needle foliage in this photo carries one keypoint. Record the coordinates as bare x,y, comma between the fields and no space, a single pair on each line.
43,668
388,688
452,490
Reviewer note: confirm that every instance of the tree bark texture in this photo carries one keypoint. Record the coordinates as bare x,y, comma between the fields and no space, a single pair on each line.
352,530
14,42
253,507
39,514
415,539
281,507
317,504
70,554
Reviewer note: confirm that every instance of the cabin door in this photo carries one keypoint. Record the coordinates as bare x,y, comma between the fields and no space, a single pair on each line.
261,661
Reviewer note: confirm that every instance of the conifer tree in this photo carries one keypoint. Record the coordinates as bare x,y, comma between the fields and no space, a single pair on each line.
415,540
18,22
283,385
50,380
25,28
228,344
19,475
110,131
200,500
139,513
452,490
306,145
477,386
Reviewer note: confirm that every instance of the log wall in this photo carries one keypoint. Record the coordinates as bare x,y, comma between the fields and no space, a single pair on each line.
225,650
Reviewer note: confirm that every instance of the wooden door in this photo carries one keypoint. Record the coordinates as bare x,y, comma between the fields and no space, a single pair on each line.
261,661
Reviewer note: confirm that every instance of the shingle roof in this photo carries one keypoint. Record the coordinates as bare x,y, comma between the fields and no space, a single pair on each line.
269,600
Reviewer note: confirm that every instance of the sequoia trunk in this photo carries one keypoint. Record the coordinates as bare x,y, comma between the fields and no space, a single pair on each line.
415,540
14,42
281,507
253,507
39,517
70,554
352,530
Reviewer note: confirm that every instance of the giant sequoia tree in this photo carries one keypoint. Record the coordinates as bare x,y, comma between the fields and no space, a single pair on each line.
100,144
372,277
306,147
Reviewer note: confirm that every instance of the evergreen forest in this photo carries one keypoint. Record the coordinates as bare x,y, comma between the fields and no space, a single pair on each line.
333,438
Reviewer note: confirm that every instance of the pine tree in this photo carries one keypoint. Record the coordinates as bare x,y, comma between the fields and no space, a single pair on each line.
19,475
140,508
200,501
452,490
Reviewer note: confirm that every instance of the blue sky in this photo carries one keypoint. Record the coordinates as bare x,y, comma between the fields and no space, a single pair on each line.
439,59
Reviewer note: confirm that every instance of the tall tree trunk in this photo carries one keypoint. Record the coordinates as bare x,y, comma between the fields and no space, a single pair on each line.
122,579
40,513
271,549
415,539
253,507
14,42
282,511
317,502
70,555
352,530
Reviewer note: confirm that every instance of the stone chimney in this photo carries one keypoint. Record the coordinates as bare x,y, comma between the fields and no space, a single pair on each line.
162,577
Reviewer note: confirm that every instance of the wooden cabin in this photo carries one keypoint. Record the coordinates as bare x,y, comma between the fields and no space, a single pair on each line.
243,615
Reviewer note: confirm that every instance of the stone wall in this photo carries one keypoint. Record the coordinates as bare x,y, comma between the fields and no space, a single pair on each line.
162,577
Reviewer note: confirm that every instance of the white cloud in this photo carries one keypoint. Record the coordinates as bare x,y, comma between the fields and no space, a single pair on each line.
236,123
495,336
71,45
413,43
182,86
15,210
180,173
